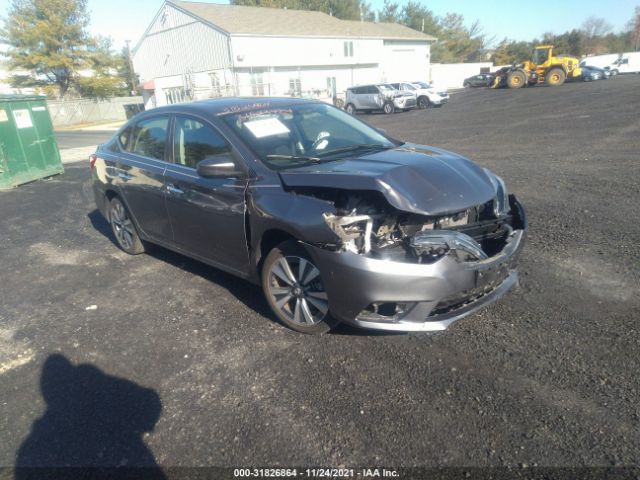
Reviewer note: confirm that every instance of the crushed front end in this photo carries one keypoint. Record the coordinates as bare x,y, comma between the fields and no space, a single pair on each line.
395,270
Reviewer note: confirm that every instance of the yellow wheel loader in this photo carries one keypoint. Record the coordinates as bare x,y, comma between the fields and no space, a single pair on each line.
543,68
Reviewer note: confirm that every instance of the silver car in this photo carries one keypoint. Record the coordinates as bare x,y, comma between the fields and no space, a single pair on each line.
380,96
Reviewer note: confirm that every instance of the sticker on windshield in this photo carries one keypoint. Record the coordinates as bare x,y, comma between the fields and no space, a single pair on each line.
266,127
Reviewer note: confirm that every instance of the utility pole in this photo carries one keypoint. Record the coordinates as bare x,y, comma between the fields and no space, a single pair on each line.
132,75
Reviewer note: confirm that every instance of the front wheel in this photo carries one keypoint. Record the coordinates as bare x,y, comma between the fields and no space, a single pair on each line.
555,77
388,108
123,228
423,102
614,72
516,79
293,288
350,108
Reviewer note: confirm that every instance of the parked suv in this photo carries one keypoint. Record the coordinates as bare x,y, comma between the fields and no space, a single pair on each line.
381,96
425,94
336,221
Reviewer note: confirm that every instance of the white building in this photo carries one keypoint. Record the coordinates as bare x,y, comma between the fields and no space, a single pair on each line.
200,50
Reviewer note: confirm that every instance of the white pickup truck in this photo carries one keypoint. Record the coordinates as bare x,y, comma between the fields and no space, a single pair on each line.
426,95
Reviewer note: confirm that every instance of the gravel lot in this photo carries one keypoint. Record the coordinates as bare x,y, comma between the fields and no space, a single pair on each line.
548,376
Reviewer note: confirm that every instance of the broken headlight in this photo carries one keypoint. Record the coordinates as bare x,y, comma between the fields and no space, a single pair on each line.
354,230
501,200
431,245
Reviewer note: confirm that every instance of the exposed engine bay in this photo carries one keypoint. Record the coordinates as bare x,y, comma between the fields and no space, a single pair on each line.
366,224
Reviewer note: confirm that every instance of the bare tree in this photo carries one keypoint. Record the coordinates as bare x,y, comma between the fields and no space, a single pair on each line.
595,27
634,28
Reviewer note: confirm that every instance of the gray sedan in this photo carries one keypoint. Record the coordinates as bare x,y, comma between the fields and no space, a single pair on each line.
335,220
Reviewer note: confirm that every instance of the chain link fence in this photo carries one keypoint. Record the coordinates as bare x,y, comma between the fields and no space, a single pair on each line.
86,110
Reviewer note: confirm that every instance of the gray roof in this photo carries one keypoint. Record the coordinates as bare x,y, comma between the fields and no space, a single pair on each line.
241,20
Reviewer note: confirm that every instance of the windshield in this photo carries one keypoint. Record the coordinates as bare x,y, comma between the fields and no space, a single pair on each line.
540,55
386,88
421,85
298,135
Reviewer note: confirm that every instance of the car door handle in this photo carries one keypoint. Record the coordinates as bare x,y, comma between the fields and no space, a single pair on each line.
125,177
173,189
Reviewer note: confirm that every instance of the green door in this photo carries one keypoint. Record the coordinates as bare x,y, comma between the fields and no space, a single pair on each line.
28,148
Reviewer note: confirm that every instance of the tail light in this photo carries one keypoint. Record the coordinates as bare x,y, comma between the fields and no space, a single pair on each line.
92,161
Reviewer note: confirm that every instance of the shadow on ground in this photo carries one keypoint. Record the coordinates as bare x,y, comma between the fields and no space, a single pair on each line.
246,292
92,420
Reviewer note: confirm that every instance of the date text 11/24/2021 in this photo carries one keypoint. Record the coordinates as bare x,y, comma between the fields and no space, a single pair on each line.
314,473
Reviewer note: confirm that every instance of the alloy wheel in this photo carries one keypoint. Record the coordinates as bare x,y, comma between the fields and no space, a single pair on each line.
122,226
296,290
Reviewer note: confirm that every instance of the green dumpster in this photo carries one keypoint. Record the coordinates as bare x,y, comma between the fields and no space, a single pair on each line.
28,147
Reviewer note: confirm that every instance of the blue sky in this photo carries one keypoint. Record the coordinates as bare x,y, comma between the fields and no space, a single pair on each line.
520,20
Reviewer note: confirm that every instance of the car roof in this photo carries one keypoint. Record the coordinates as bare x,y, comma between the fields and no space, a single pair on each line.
220,106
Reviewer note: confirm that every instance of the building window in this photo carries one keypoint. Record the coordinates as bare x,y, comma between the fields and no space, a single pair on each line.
215,83
295,87
348,49
174,95
257,87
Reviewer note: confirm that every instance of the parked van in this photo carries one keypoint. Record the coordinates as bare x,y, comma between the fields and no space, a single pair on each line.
627,63
600,61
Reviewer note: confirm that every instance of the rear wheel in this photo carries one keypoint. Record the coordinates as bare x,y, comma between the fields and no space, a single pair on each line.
123,228
350,108
388,108
293,288
423,102
516,79
555,77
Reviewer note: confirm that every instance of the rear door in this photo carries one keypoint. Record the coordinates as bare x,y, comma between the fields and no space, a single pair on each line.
207,214
374,97
139,172
359,97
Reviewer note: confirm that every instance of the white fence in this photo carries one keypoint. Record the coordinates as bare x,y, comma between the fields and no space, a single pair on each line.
452,75
85,110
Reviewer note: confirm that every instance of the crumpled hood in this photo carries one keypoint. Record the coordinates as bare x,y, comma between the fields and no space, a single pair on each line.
413,178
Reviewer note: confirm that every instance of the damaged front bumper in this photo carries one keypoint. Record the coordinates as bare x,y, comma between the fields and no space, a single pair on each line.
389,295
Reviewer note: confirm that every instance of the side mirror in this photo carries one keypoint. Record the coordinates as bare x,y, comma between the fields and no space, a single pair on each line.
218,166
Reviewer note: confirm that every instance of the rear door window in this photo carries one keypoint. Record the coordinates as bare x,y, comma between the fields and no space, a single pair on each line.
149,138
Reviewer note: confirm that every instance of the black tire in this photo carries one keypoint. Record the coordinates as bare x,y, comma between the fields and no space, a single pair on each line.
466,85
338,102
350,109
614,73
423,102
555,77
294,290
123,228
516,79
388,108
